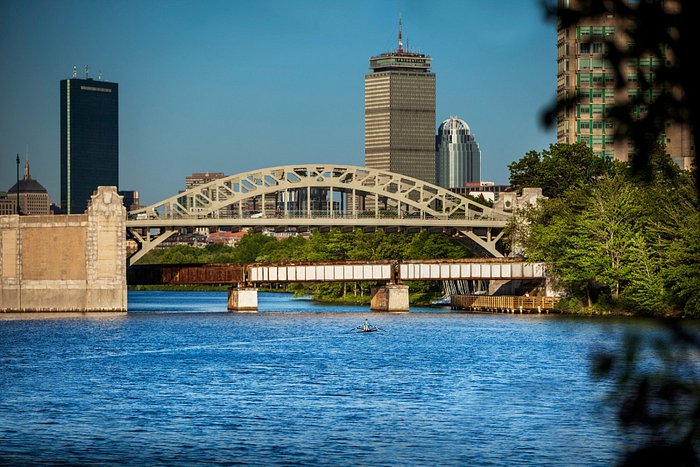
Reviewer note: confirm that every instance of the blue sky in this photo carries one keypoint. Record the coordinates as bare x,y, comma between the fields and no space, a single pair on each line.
231,86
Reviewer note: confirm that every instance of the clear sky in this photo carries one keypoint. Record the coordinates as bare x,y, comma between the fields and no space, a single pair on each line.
230,86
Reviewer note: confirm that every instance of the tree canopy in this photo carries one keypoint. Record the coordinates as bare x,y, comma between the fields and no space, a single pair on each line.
615,241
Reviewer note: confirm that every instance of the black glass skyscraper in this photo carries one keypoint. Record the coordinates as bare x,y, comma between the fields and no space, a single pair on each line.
89,140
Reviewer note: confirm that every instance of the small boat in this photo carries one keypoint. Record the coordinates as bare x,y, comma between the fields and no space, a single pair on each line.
369,329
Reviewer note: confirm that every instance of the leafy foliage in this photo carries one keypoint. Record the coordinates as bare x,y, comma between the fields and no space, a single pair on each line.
557,169
616,238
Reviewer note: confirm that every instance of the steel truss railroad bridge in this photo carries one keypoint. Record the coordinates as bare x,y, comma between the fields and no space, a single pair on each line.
320,196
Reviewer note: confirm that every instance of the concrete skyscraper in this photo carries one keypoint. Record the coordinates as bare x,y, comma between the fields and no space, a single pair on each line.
400,113
584,71
458,158
89,139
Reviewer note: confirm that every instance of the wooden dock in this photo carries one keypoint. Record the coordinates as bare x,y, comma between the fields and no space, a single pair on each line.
503,303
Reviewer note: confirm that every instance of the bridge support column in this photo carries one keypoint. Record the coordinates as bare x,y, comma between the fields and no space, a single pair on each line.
392,297
242,299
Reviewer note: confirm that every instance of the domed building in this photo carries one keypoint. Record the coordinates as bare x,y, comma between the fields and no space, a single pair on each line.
458,157
33,197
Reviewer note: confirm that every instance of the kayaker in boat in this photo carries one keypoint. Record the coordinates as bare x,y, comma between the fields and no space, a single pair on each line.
366,326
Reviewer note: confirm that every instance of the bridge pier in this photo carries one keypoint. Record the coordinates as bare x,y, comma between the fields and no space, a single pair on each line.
242,299
391,297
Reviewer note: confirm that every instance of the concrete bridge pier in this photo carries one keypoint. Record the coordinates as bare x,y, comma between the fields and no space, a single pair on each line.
390,297
242,299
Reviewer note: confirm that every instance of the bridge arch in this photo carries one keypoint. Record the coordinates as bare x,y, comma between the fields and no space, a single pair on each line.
317,190
318,195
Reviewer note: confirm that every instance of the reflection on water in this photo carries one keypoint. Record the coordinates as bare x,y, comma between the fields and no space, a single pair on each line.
179,381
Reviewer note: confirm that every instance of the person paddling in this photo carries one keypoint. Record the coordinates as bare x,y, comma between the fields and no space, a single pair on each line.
366,326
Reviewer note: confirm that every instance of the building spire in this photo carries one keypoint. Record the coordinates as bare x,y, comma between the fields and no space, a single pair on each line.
26,164
400,49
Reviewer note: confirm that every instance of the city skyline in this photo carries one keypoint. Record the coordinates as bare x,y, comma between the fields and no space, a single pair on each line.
233,87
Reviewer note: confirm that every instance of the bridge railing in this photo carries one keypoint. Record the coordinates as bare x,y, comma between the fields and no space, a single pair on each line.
324,214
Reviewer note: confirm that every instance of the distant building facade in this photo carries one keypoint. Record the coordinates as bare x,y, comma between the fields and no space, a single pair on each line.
33,197
89,140
487,191
130,199
584,71
200,178
457,155
400,114
7,206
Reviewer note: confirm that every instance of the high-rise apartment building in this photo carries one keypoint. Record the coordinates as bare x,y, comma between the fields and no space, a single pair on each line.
583,70
400,114
89,140
458,157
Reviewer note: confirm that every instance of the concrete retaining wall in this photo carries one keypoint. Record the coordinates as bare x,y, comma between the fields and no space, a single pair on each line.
67,262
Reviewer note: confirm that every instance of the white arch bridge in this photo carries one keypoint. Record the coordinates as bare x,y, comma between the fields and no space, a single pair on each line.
318,196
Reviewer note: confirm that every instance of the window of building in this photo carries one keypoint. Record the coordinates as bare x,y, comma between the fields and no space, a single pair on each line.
597,47
584,64
597,94
596,109
597,124
585,48
597,63
585,124
609,125
597,30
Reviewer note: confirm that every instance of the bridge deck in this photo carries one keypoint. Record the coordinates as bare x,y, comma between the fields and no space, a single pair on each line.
382,271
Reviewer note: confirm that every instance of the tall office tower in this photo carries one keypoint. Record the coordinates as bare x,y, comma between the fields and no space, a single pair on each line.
458,157
582,69
89,139
400,114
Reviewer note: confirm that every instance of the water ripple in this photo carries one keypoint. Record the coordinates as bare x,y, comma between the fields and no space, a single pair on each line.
290,388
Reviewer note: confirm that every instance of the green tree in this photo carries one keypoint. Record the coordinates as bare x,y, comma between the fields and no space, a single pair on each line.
557,169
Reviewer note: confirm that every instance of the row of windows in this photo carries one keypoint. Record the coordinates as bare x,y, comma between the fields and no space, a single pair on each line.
596,93
597,140
585,79
593,64
587,31
592,109
595,124
592,47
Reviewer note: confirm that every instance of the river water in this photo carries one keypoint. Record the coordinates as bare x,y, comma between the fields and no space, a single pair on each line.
180,381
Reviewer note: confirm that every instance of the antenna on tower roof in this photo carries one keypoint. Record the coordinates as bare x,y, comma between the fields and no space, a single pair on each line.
75,71
99,75
400,49
86,72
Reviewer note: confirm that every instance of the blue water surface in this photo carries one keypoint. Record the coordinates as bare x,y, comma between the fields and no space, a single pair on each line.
179,381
